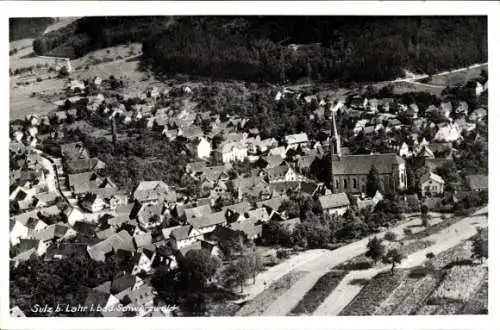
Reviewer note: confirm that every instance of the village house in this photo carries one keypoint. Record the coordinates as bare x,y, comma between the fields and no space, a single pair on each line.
278,151
431,184
203,148
73,151
93,203
148,215
448,133
359,103
232,152
294,141
182,236
85,182
154,192
478,114
335,203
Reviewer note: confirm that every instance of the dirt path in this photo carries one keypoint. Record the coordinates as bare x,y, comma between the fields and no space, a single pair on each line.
317,262
446,238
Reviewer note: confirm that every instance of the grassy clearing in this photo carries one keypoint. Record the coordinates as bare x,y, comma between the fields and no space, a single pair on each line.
361,262
373,294
260,303
318,293
433,229
457,253
458,77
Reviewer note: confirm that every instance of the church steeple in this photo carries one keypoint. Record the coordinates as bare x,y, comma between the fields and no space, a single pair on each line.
335,147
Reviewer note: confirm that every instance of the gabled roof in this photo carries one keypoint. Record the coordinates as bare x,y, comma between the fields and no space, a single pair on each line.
27,244
181,232
249,227
258,214
276,172
86,164
75,150
273,160
296,138
334,201
197,212
208,220
51,232
273,203
150,190
277,151
431,176
238,208
213,173
143,240
196,167
122,282
305,162
361,164
191,132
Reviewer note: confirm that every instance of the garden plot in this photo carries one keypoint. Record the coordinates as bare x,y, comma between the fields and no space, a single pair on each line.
460,283
478,304
374,293
260,303
318,293
420,291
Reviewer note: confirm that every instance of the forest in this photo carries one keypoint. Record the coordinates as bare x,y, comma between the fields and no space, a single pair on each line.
285,48
91,33
291,49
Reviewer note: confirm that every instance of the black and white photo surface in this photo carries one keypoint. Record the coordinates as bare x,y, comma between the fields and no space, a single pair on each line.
248,166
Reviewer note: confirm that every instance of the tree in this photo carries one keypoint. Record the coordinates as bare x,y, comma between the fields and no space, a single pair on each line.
480,244
63,72
393,257
197,268
424,214
238,272
254,261
375,249
429,264
372,182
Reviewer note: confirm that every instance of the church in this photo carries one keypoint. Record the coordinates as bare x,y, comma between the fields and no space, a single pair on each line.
349,172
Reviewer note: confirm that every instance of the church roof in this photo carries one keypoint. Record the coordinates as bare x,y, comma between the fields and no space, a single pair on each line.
361,164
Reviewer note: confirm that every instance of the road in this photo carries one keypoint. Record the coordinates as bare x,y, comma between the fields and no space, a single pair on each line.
312,260
447,238
316,264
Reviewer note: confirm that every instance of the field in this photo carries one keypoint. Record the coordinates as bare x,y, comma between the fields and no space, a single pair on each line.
318,293
260,303
22,103
374,293
450,284
453,78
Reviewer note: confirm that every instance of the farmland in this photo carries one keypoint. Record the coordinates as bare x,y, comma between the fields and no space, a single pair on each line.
318,293
443,286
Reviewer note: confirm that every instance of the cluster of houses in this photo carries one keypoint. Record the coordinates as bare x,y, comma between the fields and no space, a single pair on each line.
66,206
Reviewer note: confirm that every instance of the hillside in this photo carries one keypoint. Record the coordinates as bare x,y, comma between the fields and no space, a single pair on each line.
345,49
23,27
284,48
92,33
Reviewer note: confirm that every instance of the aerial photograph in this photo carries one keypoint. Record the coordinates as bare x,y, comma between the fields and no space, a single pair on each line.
170,166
